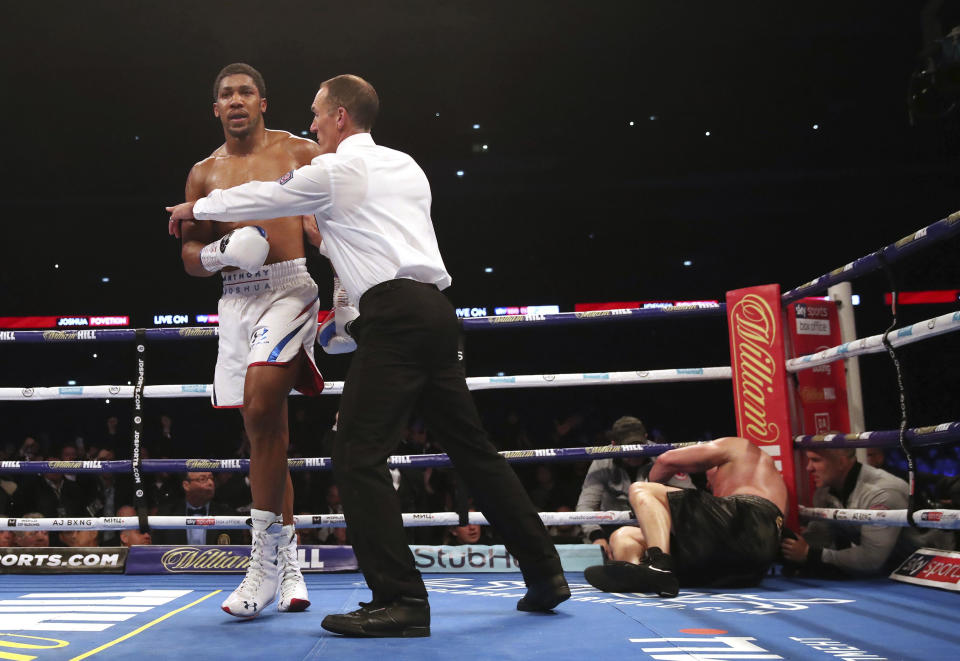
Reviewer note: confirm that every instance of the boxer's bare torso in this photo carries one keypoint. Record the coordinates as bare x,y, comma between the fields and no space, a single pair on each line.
749,470
275,154
734,466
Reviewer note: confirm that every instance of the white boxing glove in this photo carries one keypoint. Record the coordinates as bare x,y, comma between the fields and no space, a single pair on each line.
245,247
333,336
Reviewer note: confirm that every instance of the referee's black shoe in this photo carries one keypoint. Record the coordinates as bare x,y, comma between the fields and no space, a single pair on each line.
407,617
544,595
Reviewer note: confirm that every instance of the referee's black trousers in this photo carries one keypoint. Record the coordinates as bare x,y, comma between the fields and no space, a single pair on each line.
407,344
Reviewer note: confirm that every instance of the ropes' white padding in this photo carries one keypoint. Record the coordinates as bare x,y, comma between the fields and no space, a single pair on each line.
336,387
300,521
945,323
946,519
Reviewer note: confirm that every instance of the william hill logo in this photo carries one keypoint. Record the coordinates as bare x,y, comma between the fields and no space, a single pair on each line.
197,332
74,464
186,559
211,464
517,454
59,335
202,463
753,332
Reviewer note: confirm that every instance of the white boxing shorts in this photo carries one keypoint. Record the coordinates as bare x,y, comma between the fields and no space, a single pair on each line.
266,318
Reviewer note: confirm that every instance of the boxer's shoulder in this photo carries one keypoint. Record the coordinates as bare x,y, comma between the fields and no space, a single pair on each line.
302,149
199,177
202,169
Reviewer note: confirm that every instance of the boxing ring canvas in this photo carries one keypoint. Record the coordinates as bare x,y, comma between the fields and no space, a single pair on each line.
55,617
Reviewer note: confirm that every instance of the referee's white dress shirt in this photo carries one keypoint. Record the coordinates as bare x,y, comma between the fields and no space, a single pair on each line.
372,206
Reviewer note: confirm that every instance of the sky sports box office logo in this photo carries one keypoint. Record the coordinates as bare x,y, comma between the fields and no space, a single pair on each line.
932,568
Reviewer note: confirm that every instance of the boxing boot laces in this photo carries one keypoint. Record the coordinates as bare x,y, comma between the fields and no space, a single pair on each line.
293,590
259,587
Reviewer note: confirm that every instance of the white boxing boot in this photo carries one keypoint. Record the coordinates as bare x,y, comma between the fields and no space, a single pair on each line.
292,594
259,587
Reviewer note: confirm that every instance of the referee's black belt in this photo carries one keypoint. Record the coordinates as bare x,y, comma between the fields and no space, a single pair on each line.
397,283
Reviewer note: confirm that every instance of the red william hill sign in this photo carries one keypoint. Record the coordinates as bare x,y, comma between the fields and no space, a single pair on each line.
756,349
757,360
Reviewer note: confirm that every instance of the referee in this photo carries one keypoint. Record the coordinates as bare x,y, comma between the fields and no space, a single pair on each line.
371,205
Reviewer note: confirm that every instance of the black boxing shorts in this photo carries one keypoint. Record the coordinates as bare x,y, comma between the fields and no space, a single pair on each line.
722,542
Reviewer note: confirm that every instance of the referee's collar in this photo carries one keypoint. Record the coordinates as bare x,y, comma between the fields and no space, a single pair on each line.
356,140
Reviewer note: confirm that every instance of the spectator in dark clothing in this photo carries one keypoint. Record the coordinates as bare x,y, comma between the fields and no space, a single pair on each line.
79,538
30,450
514,435
162,488
568,432
163,443
111,438
947,492
548,492
197,502
51,495
301,432
471,534
111,489
87,483
233,490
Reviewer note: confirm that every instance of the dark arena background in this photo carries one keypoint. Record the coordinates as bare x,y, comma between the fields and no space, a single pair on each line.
580,155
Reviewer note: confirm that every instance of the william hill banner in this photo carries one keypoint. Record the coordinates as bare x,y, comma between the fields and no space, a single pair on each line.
187,559
757,358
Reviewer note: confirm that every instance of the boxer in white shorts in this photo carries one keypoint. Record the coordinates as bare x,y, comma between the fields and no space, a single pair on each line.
268,323
266,318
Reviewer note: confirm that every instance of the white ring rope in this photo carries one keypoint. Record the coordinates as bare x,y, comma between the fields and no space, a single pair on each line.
300,521
921,330
945,323
946,519
336,387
